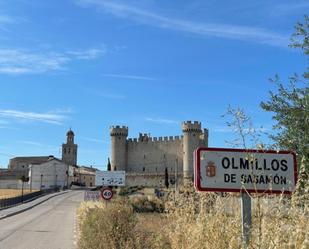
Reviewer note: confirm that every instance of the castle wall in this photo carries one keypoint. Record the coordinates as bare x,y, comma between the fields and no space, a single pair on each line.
118,147
145,158
154,155
150,180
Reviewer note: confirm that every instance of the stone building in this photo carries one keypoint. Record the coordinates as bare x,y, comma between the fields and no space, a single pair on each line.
145,158
48,175
69,150
20,166
85,176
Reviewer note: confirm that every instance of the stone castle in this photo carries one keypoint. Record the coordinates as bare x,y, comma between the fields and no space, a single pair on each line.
145,159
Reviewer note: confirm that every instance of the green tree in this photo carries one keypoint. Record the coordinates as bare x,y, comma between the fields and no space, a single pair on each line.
109,167
166,182
290,104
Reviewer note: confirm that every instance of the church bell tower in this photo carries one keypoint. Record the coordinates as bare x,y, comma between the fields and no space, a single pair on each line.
69,150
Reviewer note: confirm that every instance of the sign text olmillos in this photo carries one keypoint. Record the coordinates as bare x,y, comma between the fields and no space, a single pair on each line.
255,171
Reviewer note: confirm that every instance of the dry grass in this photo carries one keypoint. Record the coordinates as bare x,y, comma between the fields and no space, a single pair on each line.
9,193
114,226
202,220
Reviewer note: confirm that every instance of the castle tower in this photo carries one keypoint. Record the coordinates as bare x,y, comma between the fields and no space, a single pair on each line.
118,142
191,140
69,150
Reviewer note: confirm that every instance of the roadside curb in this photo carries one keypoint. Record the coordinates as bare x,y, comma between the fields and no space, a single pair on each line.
32,206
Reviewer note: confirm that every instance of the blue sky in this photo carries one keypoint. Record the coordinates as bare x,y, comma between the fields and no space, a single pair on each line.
90,64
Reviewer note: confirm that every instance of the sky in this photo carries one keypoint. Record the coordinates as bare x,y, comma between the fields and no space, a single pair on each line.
149,65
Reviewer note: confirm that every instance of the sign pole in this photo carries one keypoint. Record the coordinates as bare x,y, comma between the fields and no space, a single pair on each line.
246,218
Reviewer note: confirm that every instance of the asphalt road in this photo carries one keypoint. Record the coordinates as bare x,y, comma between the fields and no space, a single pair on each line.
50,225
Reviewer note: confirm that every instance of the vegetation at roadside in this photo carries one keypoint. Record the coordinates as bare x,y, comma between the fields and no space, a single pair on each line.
114,226
196,221
129,190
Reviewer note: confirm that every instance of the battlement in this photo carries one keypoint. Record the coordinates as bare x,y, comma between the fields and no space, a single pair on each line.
119,130
189,126
143,138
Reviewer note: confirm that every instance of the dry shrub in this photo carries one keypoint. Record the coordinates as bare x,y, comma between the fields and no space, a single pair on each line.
145,204
209,220
201,220
114,227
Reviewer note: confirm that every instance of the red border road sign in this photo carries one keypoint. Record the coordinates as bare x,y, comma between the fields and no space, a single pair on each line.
107,194
202,177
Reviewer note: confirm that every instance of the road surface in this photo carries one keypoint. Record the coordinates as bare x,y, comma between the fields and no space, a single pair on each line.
50,225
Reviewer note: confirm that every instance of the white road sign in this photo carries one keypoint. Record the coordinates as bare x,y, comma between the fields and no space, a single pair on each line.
110,178
233,170
92,195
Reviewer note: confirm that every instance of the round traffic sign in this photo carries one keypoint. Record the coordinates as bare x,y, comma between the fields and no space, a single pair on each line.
106,194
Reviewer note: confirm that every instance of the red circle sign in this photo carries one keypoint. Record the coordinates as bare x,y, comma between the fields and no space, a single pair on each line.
106,194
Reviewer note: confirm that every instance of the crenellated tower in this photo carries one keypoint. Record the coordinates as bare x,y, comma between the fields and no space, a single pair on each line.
69,150
119,136
192,134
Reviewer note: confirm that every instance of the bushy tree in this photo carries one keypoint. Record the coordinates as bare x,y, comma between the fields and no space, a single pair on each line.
109,167
166,182
290,104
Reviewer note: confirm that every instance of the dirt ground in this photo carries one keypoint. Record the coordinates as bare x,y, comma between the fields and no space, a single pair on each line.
151,222
8,193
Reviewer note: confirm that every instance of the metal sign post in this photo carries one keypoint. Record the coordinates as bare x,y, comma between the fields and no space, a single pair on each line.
106,194
246,218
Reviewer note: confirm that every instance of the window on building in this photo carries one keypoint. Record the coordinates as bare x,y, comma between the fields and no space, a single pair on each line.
143,169
69,150
64,150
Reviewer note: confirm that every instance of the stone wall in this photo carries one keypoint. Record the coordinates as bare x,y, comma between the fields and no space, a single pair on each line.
150,180
154,155
13,184
48,175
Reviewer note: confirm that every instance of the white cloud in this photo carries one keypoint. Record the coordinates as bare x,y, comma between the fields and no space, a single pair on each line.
48,117
4,19
140,15
162,121
89,54
17,61
94,140
30,143
128,77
